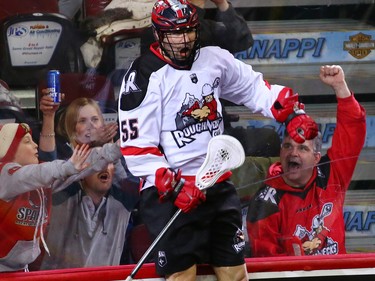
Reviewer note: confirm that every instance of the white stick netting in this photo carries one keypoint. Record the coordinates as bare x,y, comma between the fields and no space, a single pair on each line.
224,153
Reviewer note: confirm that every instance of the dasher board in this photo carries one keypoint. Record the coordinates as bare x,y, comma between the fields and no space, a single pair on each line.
291,52
308,25
337,267
359,217
277,3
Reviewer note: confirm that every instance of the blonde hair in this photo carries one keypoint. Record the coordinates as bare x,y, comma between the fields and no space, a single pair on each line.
68,121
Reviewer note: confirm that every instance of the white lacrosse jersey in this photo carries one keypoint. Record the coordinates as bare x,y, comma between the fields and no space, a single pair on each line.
167,116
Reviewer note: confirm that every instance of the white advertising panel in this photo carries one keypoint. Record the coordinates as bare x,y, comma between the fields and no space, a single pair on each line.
32,43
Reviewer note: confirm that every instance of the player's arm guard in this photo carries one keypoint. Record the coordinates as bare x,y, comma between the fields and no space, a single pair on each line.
170,185
287,109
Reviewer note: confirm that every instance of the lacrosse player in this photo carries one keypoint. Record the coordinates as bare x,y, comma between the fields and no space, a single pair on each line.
300,209
169,109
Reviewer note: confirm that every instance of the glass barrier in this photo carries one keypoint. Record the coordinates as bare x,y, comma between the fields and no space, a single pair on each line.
292,39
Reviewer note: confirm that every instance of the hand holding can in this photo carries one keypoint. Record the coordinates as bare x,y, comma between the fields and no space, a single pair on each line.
53,85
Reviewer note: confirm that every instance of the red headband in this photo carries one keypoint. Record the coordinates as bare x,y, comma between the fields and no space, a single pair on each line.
10,137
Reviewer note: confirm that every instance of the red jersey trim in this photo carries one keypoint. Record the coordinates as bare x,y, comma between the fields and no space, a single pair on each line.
224,177
133,151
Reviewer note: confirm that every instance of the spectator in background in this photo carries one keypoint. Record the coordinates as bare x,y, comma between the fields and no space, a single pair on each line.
229,30
25,190
25,185
88,224
300,209
89,218
82,122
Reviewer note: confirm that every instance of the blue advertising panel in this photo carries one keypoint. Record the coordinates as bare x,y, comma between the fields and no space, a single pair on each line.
311,47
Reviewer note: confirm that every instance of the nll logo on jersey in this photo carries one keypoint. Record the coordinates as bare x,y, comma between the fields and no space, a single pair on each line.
162,258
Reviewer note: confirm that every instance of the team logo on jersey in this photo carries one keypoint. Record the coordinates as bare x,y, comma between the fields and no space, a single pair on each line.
130,85
162,258
317,241
11,171
268,195
239,241
198,115
28,214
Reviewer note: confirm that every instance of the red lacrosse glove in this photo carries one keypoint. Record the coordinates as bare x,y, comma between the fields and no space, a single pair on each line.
166,181
302,127
287,109
189,197
286,104
171,185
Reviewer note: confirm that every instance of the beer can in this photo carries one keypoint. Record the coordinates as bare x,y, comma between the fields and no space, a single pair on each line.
53,84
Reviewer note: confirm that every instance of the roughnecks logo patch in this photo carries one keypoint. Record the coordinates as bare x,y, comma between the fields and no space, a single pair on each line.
198,115
239,241
317,241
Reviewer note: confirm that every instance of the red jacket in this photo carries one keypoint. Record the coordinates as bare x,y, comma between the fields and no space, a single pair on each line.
22,220
282,220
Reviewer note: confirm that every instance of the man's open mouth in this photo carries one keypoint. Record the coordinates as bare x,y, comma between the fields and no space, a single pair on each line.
104,176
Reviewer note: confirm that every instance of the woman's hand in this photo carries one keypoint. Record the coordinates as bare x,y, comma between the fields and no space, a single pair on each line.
79,157
104,134
46,104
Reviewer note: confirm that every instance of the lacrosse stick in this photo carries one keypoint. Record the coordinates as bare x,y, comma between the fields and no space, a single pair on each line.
224,153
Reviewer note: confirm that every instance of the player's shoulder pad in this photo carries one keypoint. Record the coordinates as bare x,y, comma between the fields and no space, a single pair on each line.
136,80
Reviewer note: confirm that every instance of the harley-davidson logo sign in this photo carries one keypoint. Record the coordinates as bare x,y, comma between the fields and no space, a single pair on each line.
360,45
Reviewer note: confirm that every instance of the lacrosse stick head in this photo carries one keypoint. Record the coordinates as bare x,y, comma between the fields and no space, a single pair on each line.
224,153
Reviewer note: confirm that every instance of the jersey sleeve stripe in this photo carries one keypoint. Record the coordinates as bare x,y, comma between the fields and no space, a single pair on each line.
133,151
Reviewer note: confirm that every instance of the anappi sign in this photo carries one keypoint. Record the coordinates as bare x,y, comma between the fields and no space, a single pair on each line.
311,47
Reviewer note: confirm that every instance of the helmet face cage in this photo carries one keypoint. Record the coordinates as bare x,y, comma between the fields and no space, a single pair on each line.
177,27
